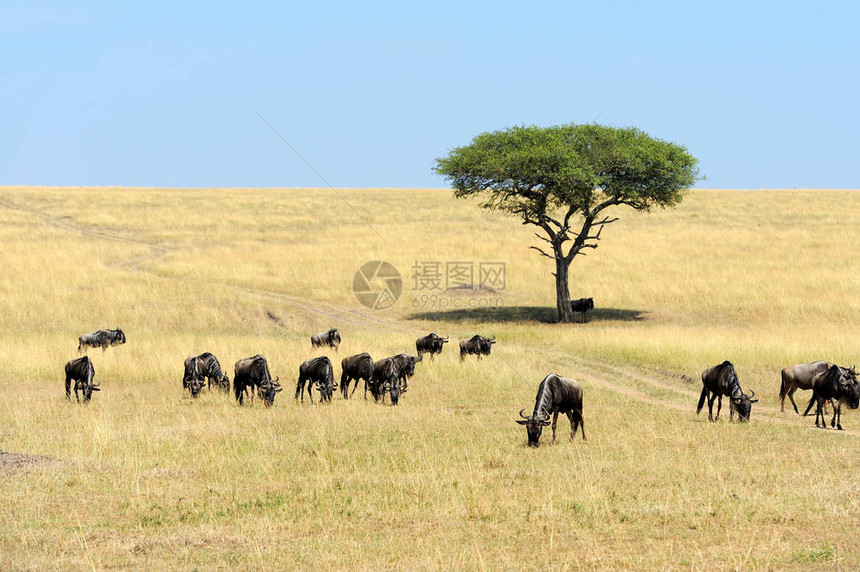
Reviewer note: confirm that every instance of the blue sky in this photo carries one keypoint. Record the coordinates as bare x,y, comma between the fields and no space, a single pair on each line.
766,94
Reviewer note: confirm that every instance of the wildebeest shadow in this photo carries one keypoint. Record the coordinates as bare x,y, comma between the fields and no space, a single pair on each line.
543,314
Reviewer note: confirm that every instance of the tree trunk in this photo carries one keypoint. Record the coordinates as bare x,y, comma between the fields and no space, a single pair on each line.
562,292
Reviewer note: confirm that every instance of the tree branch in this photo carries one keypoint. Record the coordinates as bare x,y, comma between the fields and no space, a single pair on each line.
542,252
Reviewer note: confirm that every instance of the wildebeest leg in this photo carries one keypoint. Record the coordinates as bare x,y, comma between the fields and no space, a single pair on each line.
554,422
300,389
68,388
719,406
711,398
354,387
574,424
732,411
791,397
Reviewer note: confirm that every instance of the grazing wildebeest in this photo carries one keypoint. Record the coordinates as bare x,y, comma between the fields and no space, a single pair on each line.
430,344
405,369
359,366
722,380
555,395
385,380
81,370
330,338
101,339
582,306
316,372
252,374
476,345
832,385
193,379
800,377
208,367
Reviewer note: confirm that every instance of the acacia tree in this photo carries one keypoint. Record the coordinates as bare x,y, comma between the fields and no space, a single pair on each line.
562,179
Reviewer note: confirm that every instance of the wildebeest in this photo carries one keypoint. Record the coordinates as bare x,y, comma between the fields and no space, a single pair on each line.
476,345
101,339
330,338
555,395
385,380
430,344
209,368
359,366
405,369
81,370
316,372
193,379
722,380
800,377
252,374
582,306
832,385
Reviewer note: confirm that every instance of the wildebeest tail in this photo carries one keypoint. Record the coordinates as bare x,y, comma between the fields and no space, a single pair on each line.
702,400
783,387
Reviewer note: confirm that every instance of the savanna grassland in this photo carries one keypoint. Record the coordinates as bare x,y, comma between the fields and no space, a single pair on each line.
145,477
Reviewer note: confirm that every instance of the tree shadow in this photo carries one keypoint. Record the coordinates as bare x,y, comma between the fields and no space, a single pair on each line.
542,314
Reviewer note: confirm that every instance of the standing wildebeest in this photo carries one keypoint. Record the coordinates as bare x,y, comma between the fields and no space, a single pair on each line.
832,385
476,345
431,344
800,377
316,372
582,306
253,373
81,370
555,395
330,338
722,380
405,368
385,379
359,366
101,339
209,368
193,379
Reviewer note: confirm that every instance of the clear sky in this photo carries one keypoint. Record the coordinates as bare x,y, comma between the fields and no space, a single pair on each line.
765,94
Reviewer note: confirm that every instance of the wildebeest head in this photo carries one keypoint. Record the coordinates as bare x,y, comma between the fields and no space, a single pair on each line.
87,388
268,389
120,336
743,405
487,345
534,425
195,385
334,335
848,390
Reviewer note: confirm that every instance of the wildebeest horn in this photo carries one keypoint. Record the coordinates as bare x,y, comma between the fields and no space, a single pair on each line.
752,393
521,413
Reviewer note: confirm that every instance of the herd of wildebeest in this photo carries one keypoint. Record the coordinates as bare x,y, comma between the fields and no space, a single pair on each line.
389,376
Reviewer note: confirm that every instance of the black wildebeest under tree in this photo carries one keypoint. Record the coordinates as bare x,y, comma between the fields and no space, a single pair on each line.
562,179
722,380
82,372
555,395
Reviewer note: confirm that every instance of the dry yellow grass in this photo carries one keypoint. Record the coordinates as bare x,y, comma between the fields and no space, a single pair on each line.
145,477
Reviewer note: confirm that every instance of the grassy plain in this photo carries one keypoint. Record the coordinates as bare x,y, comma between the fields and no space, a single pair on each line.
145,477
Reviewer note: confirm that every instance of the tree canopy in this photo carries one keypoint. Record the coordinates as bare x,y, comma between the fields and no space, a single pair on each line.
561,176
